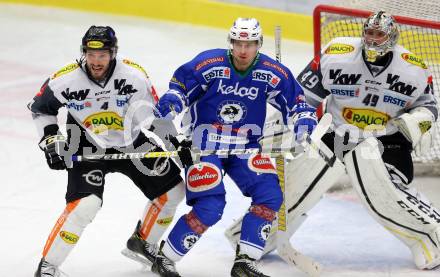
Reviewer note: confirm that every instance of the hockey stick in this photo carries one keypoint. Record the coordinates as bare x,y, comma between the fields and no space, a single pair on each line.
284,248
168,154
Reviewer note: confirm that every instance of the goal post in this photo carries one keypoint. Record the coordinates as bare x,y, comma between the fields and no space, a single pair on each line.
418,35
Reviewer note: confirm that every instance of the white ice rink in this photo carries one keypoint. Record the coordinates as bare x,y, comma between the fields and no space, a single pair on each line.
34,43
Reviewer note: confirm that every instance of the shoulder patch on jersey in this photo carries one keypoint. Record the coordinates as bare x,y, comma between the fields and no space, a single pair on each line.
339,48
209,61
276,67
68,68
135,65
414,59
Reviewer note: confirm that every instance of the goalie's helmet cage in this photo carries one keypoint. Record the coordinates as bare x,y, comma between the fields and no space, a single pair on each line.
100,38
246,29
383,22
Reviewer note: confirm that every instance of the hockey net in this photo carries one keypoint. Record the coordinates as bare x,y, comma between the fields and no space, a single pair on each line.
419,33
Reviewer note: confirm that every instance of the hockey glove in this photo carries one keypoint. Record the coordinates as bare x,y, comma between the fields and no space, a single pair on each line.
304,120
184,150
54,147
169,105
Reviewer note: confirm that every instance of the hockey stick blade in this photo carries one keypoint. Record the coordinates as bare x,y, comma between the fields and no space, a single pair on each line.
295,258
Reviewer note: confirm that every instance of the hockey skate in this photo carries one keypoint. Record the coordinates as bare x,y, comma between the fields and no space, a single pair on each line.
46,269
139,250
163,266
245,266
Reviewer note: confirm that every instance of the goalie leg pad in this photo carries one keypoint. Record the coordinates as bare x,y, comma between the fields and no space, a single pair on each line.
69,227
406,213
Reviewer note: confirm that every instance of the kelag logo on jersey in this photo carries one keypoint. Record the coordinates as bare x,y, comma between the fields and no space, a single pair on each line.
230,112
104,121
400,87
217,72
343,79
266,76
250,93
365,118
79,95
124,89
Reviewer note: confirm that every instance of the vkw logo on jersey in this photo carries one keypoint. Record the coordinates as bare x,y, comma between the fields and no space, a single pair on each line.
266,76
79,95
189,240
123,88
203,176
104,121
230,112
398,86
250,93
261,164
94,177
264,231
343,79
217,72
365,118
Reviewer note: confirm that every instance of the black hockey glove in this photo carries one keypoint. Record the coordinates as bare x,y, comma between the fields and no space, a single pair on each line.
54,147
184,150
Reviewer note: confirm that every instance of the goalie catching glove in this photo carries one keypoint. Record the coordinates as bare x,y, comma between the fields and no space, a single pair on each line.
415,126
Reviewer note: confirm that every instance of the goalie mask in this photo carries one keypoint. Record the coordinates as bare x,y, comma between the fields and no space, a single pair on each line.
246,29
379,35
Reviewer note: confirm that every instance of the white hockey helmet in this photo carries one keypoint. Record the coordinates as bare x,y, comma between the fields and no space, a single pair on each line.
383,22
246,29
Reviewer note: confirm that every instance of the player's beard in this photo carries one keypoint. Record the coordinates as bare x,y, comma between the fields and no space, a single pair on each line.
98,72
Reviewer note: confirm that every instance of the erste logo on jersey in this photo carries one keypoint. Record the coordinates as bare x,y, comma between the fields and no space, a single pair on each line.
345,92
343,79
250,93
367,119
78,106
230,112
217,72
103,122
261,164
203,176
398,86
339,48
413,59
266,76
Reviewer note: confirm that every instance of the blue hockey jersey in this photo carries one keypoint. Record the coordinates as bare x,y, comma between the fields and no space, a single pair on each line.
228,107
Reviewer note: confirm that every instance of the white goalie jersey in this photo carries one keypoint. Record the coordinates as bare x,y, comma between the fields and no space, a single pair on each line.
363,97
112,113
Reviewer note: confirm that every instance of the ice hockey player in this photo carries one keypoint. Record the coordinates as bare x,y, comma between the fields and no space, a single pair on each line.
381,98
225,92
109,100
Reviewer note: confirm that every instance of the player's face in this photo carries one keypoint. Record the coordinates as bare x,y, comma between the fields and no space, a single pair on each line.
244,53
98,62
375,37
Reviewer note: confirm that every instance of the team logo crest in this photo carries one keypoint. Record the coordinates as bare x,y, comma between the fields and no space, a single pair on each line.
203,176
189,240
230,112
264,231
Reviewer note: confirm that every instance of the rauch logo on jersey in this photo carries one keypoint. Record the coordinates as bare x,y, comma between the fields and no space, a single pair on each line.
413,59
68,237
365,118
203,176
79,95
217,72
104,121
339,48
343,79
250,93
398,86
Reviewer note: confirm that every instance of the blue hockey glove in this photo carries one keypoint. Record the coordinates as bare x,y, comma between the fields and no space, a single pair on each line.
54,146
168,104
304,119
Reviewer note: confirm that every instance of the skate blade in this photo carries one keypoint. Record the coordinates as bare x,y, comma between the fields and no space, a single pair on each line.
137,257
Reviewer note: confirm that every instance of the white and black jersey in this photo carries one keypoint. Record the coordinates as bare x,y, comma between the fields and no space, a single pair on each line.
111,112
362,96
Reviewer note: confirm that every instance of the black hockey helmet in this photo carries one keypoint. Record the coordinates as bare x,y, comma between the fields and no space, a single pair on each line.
100,38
